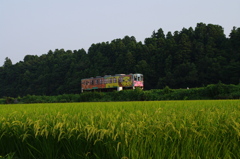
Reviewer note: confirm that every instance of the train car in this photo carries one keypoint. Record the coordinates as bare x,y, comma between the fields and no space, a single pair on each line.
116,82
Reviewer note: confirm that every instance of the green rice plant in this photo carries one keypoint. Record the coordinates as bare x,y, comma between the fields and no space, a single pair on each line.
124,130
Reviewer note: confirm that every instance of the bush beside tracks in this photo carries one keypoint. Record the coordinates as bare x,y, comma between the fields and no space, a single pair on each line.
213,91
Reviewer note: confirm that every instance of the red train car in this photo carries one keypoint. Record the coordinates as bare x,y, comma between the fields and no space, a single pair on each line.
118,82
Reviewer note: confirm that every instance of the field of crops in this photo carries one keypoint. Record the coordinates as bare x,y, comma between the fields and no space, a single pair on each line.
124,130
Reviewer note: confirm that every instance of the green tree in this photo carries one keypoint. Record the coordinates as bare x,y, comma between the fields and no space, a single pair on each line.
183,55
8,62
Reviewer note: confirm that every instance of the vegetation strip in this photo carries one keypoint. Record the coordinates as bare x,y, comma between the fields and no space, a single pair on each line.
213,91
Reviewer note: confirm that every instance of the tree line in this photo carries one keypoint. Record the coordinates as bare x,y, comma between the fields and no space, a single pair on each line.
192,57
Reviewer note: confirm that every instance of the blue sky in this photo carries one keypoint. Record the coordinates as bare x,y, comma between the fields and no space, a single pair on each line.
33,27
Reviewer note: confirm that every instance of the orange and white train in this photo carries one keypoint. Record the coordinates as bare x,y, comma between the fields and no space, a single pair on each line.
108,82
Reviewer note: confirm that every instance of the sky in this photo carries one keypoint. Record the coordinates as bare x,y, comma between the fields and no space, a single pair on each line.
33,27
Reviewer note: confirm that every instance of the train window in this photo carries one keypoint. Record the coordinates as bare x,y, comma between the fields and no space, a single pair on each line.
106,81
138,78
135,77
92,82
96,81
114,80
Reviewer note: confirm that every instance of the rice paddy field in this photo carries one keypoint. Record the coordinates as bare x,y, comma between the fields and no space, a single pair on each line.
121,130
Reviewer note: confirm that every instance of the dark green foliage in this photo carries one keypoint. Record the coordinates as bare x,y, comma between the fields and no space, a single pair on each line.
212,91
7,63
7,100
8,156
192,57
222,91
2,101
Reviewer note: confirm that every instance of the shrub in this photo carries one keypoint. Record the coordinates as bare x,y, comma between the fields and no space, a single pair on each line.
212,91
2,101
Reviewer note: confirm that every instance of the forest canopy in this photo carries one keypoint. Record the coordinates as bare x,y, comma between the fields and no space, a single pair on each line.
192,57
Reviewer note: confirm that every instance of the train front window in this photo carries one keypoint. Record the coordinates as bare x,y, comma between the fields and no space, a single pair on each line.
135,77
138,77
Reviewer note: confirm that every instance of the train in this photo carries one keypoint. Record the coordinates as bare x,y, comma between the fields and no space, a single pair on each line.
113,82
